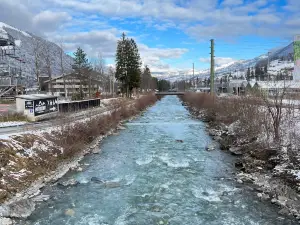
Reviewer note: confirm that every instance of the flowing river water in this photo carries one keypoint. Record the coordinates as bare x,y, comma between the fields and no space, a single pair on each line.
152,177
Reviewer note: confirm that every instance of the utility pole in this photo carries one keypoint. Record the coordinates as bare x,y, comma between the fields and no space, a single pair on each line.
268,66
194,74
212,66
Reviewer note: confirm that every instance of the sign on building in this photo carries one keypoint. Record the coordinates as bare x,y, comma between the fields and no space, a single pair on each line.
28,104
297,58
43,106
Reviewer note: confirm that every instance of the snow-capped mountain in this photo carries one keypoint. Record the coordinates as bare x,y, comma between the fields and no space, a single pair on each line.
26,43
238,67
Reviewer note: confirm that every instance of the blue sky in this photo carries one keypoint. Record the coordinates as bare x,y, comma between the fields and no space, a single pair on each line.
171,34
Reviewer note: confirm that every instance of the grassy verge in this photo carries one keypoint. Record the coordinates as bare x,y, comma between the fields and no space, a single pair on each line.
9,116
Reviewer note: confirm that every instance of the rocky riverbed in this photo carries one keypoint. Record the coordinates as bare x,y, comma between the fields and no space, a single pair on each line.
262,169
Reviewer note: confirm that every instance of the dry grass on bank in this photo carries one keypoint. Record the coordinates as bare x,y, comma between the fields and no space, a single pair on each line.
11,116
250,123
253,116
24,158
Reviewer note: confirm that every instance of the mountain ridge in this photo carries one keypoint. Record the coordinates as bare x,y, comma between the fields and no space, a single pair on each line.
25,46
240,65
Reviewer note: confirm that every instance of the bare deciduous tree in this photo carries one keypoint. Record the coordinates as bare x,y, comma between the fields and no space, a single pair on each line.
111,74
273,99
62,68
48,59
37,53
99,67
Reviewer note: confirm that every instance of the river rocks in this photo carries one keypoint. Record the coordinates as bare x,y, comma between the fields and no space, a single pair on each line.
214,132
210,147
284,211
236,150
41,198
205,193
107,184
281,200
69,212
121,127
71,182
97,180
239,181
3,194
20,209
5,221
263,196
96,151
246,178
239,165
79,169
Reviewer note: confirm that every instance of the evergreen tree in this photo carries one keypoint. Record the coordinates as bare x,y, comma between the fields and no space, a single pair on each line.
257,73
163,85
146,79
248,75
82,69
128,64
252,74
265,69
80,60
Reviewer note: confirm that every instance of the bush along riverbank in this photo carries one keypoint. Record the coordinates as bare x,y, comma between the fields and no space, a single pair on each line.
264,135
30,160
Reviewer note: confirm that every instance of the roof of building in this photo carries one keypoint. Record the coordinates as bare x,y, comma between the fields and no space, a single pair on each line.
35,96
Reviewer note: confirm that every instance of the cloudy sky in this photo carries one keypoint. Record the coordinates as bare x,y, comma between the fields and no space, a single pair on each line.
171,34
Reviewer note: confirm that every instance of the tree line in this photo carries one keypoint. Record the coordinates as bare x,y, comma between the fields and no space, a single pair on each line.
127,76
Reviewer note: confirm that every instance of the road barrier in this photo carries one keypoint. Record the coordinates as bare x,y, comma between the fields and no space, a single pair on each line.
78,105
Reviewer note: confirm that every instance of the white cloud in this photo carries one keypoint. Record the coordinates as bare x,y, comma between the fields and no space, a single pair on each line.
293,5
49,21
232,2
93,42
153,57
219,61
295,22
162,52
199,19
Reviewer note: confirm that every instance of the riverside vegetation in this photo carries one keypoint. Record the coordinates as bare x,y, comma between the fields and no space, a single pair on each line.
25,158
264,136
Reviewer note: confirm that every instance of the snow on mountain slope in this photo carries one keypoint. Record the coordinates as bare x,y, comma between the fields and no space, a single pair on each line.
25,45
237,68
4,25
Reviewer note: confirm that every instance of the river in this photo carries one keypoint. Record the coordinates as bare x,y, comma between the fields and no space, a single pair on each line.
157,171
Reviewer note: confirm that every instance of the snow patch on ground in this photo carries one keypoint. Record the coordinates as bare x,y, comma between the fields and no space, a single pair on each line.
18,43
12,123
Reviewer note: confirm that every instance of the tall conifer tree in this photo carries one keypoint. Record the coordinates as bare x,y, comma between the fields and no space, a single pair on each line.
128,64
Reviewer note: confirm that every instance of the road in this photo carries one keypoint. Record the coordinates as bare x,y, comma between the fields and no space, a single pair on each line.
60,119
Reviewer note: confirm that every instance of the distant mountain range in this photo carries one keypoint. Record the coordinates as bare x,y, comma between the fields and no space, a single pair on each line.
239,66
26,42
